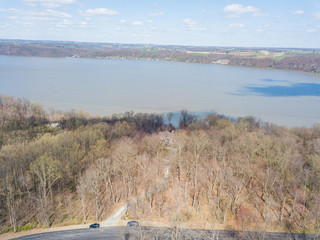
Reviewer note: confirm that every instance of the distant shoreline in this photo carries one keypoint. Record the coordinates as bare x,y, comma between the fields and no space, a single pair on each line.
296,60
161,60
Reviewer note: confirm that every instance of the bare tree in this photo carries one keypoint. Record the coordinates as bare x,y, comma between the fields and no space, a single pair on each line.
11,202
81,187
92,180
124,155
186,118
46,171
169,116
198,144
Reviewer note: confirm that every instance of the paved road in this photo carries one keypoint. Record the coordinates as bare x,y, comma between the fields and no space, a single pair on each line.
151,233
112,233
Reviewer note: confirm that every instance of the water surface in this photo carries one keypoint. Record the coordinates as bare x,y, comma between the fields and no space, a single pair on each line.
104,87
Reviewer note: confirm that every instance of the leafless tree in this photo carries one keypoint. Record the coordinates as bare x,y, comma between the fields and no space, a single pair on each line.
46,171
81,187
92,180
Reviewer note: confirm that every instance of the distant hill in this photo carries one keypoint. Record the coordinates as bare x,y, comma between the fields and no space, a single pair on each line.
305,60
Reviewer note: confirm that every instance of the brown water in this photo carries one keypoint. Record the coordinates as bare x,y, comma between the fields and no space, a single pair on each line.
104,87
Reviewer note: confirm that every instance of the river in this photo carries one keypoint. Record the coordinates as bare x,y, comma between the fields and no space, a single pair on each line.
105,86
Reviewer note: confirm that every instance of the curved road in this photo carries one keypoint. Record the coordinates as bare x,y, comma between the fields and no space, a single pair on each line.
127,233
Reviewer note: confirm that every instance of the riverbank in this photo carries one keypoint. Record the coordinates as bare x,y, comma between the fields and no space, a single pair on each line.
300,60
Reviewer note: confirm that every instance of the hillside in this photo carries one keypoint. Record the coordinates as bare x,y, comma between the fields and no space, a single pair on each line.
304,60
62,168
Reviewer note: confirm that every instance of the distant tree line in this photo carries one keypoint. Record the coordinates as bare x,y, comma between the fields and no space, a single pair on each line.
306,62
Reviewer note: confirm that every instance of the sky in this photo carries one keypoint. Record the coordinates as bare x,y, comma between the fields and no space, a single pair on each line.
264,23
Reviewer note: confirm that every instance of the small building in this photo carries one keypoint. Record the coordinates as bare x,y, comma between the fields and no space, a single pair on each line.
54,124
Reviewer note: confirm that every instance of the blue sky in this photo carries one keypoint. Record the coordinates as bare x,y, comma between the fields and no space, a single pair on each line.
271,23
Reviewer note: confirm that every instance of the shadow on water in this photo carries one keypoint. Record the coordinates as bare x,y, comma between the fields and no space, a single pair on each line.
272,80
292,90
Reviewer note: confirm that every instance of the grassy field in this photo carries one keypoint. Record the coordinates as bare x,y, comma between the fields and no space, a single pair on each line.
69,46
206,54
282,56
302,51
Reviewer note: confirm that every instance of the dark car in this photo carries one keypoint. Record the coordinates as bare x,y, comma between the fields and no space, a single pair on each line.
95,225
133,223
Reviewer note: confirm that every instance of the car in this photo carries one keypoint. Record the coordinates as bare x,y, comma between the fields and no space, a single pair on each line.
133,223
95,225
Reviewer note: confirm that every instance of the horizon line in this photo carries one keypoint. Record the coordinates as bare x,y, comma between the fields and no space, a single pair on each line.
155,44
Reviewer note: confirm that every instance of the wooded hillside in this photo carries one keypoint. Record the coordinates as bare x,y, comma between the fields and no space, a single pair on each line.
305,60
240,175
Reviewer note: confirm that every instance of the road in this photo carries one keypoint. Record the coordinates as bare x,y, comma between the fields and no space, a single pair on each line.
133,233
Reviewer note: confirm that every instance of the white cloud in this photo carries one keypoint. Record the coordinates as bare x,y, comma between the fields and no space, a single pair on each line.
64,23
137,23
53,13
48,3
99,12
9,10
298,12
46,13
134,23
37,16
266,25
38,19
189,22
236,25
157,14
312,30
235,10
193,25
239,9
83,24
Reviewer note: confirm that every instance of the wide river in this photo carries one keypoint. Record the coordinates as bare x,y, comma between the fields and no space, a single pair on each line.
104,87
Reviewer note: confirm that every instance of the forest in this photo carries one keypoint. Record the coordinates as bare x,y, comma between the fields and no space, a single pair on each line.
304,60
66,167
